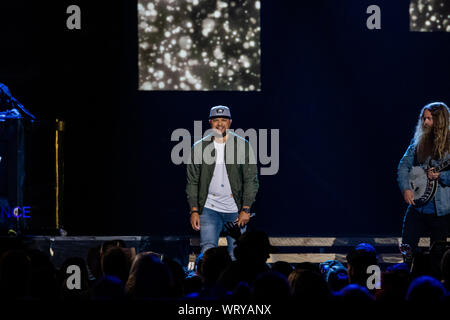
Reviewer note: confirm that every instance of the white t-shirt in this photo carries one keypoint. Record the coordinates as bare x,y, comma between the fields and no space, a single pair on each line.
220,198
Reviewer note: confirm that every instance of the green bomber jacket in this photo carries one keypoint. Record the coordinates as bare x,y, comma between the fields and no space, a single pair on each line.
241,167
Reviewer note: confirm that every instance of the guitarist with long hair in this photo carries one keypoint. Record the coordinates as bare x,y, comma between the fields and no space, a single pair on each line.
428,153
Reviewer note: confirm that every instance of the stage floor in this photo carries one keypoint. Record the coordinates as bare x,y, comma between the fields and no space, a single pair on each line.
184,249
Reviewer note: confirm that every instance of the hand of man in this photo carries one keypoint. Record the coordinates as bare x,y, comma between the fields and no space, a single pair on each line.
242,219
408,195
433,175
195,221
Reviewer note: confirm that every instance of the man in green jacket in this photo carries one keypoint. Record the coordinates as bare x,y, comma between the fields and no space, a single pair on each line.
222,181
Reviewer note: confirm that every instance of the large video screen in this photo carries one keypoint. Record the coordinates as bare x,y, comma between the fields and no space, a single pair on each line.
199,45
429,15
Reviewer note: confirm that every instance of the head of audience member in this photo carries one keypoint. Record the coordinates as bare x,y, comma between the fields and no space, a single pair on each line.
325,266
15,275
215,261
336,276
283,267
307,285
178,275
114,262
271,286
43,275
192,284
253,247
445,269
425,289
149,278
73,274
394,283
251,252
111,243
358,260
355,293
108,287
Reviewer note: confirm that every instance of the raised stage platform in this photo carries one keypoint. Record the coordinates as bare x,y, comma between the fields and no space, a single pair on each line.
184,249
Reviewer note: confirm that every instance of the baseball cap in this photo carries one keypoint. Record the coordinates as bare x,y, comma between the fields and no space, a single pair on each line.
219,112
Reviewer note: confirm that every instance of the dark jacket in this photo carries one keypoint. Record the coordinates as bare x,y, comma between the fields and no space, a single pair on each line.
241,167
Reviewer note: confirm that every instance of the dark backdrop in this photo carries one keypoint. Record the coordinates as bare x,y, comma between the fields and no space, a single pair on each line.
345,99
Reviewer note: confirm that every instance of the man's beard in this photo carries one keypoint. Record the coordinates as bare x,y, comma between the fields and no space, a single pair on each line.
427,130
425,147
428,134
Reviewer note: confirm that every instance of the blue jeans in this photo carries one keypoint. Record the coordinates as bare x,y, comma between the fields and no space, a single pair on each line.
211,224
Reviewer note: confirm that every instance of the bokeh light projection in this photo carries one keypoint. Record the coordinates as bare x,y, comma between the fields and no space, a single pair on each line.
199,45
429,15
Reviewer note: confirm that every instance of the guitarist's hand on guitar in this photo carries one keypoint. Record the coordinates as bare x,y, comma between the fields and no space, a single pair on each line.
408,195
433,175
